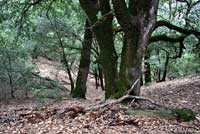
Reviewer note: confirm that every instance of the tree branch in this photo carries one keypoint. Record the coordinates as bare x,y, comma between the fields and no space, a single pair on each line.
166,38
27,7
162,23
185,1
117,101
127,96
25,10
122,14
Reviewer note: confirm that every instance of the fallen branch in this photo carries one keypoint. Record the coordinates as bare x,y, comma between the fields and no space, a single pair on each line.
117,101
127,96
132,87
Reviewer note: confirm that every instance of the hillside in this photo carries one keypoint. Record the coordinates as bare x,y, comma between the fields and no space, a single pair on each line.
67,116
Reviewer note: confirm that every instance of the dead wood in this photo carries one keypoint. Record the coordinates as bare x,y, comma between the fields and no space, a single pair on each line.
120,100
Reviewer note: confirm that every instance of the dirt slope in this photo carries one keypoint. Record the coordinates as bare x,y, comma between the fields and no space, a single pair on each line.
182,92
29,118
59,117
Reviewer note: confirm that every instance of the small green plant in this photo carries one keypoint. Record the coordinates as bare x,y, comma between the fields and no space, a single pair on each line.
184,114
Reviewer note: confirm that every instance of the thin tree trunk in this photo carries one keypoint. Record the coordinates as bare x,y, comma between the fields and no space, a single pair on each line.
165,67
35,52
147,68
64,56
80,90
101,77
158,70
96,76
158,73
11,85
141,80
65,61
9,73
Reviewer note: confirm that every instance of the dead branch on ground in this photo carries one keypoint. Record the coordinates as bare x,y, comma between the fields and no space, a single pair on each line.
120,100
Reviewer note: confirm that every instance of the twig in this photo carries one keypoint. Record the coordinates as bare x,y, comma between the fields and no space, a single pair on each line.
26,9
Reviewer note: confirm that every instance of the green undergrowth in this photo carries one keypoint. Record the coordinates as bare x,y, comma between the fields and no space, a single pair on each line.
183,114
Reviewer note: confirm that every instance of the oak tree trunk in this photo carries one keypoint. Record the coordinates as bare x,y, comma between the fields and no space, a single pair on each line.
103,32
137,21
80,89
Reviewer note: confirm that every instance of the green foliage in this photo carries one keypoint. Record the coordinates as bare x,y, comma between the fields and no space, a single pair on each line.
179,14
42,93
33,34
14,68
188,64
184,114
24,35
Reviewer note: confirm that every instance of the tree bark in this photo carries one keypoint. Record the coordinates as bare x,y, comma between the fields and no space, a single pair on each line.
96,77
103,33
10,77
158,70
101,77
80,90
147,68
138,21
165,67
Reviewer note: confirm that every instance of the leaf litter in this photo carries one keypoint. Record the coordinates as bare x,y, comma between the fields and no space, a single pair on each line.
67,116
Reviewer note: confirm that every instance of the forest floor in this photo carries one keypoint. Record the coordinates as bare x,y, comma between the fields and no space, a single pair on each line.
67,116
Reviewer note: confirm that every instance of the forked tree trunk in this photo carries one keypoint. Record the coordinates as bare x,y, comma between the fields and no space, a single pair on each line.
80,89
137,21
103,33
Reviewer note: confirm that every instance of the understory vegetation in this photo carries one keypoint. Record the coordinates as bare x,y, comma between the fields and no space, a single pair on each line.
104,51
59,31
